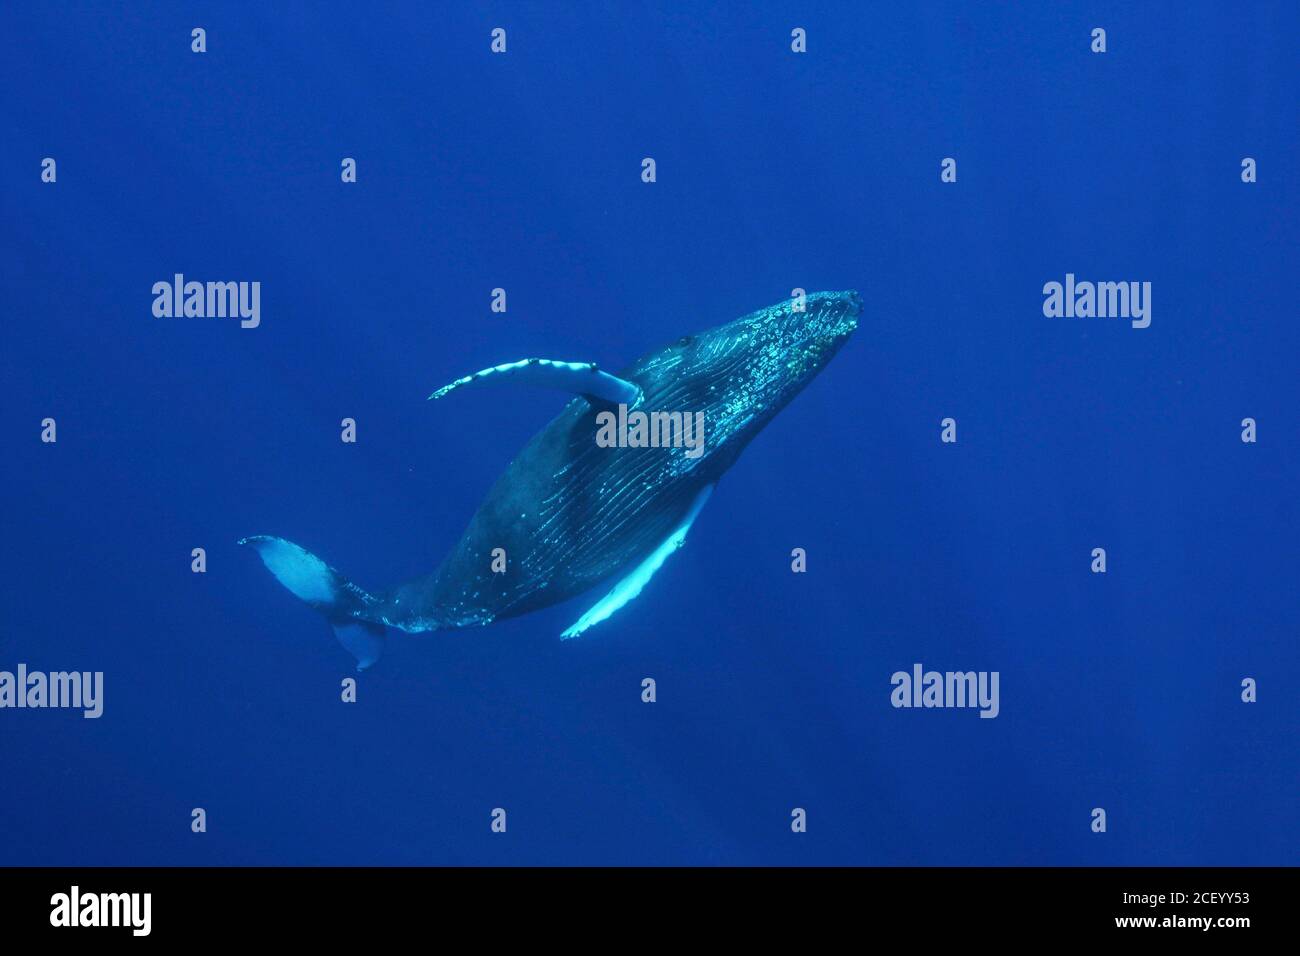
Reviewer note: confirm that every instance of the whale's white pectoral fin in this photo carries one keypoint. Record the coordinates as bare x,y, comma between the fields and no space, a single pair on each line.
580,378
631,585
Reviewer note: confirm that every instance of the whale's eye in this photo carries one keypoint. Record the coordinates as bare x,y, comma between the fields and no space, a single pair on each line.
684,341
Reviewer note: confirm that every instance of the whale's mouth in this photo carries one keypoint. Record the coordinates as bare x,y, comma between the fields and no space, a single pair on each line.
854,300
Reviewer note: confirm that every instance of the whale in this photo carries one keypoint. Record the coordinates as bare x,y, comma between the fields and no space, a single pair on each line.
572,512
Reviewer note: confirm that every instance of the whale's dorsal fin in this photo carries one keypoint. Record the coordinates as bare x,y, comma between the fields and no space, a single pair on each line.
580,378
630,586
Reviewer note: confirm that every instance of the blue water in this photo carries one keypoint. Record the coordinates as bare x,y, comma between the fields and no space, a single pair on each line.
775,170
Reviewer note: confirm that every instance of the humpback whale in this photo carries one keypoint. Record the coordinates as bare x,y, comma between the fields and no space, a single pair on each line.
570,513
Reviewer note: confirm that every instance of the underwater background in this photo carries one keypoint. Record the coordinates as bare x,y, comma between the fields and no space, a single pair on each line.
775,170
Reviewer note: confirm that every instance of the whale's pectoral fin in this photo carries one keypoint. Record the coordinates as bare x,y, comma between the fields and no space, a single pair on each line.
630,586
313,581
580,378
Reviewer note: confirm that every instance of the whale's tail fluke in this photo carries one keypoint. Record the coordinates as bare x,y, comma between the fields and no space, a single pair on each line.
312,580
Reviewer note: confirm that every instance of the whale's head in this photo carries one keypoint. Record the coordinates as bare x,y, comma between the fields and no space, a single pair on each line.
742,373
762,361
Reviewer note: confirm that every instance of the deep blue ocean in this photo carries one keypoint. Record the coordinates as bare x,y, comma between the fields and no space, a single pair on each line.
775,170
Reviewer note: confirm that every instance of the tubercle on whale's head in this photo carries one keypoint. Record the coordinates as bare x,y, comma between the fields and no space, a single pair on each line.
805,332
739,375
755,365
